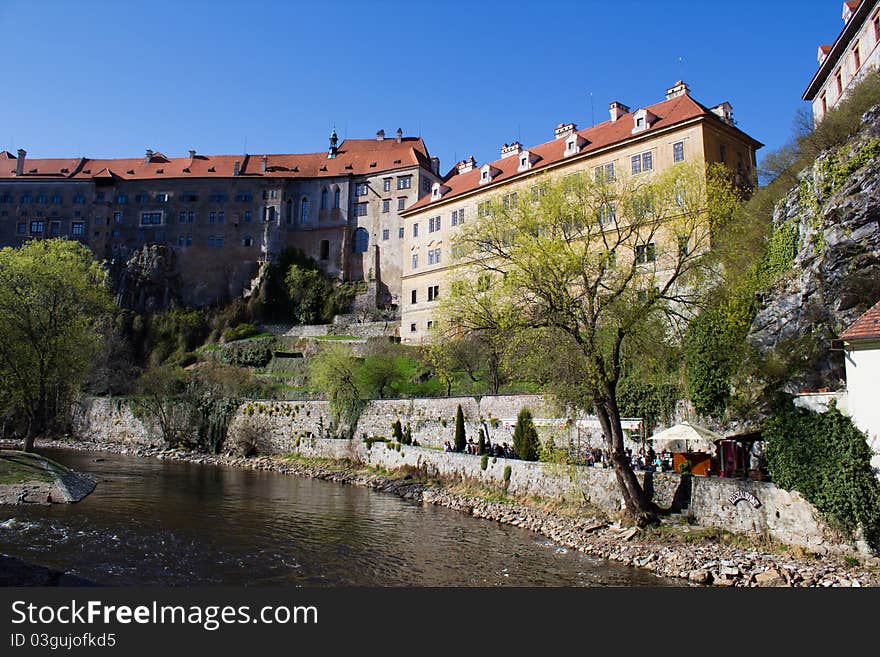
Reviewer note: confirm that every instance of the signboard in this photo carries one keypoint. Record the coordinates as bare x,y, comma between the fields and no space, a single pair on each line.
740,495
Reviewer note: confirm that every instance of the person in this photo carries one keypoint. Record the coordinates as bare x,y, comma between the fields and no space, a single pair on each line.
447,447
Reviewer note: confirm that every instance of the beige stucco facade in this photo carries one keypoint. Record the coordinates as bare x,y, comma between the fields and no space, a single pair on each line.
428,268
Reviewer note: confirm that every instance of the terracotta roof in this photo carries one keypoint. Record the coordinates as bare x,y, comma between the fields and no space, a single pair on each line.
354,156
853,4
866,327
668,113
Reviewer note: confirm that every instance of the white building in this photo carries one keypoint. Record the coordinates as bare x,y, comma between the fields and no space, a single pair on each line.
861,343
848,60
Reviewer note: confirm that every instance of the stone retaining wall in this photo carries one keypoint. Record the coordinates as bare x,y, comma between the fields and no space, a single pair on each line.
296,427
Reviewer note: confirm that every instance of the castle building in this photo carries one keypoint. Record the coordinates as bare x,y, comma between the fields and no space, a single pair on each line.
634,143
848,60
224,215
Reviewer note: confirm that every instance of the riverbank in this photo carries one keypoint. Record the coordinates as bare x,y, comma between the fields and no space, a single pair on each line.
33,479
688,554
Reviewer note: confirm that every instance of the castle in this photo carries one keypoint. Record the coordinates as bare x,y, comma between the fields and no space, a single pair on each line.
375,210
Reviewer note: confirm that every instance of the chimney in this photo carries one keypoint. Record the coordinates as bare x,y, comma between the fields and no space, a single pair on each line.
148,156
514,149
380,135
678,89
236,168
466,165
399,135
19,164
617,110
849,8
264,163
564,130
435,165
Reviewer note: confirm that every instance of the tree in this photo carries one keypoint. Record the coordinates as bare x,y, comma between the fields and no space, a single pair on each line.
525,437
381,370
581,268
481,443
52,298
333,372
460,440
478,355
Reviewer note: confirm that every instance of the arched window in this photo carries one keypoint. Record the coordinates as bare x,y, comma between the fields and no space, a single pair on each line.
247,241
325,199
361,240
304,210
336,198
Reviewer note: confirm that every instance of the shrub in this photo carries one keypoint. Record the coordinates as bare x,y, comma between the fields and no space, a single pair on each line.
481,443
828,460
397,430
525,437
460,440
484,462
239,332
246,437
506,477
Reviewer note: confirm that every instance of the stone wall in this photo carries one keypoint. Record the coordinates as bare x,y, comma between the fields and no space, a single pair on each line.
298,427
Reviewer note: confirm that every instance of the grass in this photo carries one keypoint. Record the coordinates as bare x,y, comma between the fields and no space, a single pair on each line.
20,467
336,337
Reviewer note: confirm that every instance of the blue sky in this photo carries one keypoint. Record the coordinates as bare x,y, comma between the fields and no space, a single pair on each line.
108,79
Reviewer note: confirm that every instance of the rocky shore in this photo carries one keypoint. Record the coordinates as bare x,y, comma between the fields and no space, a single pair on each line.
680,553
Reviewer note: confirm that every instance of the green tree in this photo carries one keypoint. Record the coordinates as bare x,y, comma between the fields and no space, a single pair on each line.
397,431
333,372
52,299
525,437
580,268
382,369
460,438
481,443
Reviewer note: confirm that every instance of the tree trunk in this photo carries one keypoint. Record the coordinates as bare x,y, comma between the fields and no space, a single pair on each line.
639,507
29,442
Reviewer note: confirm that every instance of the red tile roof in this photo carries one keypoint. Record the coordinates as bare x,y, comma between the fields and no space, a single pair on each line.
668,112
354,156
866,327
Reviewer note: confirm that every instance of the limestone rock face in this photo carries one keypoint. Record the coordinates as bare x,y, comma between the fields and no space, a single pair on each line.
149,280
836,272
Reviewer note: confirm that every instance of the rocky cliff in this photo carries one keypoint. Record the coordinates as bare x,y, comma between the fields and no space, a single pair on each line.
833,220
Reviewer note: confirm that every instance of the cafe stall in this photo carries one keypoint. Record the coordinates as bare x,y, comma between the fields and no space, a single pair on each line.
742,455
691,445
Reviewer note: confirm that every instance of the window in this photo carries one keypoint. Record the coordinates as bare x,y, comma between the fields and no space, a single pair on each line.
121,199
117,217
416,229
360,189
482,210
212,217
426,185
412,328
646,253
182,217
211,240
98,197
325,249
605,172
98,221
76,228
360,210
25,199
386,184
607,214
386,205
247,241
678,151
461,216
142,197
509,200
877,27
404,182
189,197
304,210
386,234
162,197
433,224
336,198
723,153
41,199
400,233
325,199
21,229
219,240
433,292
683,248
221,217
5,198
857,58
839,82
361,240
401,203
415,261
454,221
191,217
430,324
244,197
37,228
824,103
414,296
151,218
431,257
181,241
247,216
218,197
434,257
437,256
642,162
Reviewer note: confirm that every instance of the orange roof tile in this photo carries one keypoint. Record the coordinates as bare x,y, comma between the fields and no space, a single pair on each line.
866,327
354,156
668,113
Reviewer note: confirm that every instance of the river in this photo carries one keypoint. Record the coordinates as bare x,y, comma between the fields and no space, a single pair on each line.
169,523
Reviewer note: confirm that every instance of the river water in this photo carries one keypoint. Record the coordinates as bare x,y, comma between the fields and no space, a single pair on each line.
153,522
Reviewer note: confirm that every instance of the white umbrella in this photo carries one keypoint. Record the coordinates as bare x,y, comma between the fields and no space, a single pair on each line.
685,437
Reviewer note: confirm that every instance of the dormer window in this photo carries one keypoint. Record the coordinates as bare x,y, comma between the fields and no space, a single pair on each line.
573,144
438,190
487,172
642,120
525,161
